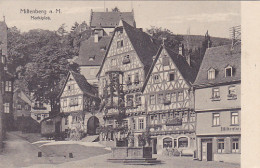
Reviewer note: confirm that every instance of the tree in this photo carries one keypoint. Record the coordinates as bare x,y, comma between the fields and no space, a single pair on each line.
165,36
115,9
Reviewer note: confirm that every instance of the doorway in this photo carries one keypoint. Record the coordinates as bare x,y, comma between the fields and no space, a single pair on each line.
207,150
93,123
154,145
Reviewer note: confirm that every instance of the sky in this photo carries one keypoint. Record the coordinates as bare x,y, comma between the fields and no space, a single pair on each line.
177,16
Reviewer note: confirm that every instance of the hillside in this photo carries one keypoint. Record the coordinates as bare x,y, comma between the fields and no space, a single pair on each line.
196,41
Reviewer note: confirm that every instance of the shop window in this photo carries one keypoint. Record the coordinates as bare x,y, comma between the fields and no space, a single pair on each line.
8,86
152,99
216,117
171,76
234,118
141,124
235,145
183,142
156,78
6,108
215,94
221,146
167,143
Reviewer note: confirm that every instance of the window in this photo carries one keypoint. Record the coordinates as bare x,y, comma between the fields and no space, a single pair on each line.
221,146
38,117
113,62
192,117
65,102
167,98
228,71
216,117
70,87
185,117
129,100
125,123
8,86
173,97
156,78
141,123
165,61
152,99
19,107
74,101
133,120
232,92
180,96
138,100
120,44
235,145
215,93
183,142
27,107
6,108
129,80
136,81
211,74
66,120
234,118
160,99
167,143
163,118
126,59
171,76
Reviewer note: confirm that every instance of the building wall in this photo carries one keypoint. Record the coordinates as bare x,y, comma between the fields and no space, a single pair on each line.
204,101
205,123
90,73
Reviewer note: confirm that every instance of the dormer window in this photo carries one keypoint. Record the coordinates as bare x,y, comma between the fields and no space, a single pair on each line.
228,71
211,73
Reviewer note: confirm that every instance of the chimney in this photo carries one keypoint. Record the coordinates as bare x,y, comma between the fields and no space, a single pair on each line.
181,47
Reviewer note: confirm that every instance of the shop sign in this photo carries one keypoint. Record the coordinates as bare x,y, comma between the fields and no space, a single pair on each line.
230,129
174,122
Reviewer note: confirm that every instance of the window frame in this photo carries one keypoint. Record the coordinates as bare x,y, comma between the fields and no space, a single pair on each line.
152,99
7,108
236,116
213,97
236,142
211,74
141,123
174,76
217,123
221,145
231,71
8,86
156,76
178,97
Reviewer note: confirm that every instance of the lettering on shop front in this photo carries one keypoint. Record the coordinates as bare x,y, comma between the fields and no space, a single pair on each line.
230,129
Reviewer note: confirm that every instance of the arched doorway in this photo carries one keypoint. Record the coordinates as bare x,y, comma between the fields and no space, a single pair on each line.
93,123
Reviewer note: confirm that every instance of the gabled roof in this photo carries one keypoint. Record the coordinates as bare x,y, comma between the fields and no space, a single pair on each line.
89,49
111,19
219,58
186,71
143,44
84,86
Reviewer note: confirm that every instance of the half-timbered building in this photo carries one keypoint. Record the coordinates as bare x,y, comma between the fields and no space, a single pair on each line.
170,102
122,75
218,104
79,102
